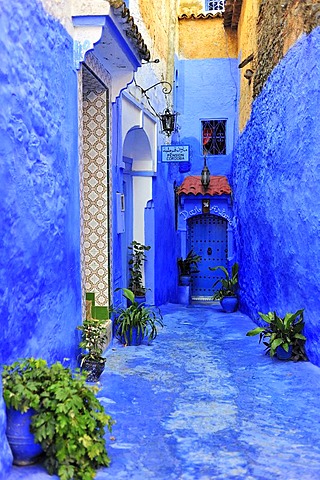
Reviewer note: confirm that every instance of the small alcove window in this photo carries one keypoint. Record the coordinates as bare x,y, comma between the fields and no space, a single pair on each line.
214,5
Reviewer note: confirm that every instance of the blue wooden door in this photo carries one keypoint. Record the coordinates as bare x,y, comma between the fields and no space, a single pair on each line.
207,236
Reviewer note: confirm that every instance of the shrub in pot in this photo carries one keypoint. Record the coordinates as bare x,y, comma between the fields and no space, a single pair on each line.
136,322
187,266
94,333
68,420
227,294
282,336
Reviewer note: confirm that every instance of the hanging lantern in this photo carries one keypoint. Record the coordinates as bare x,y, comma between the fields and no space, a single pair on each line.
168,121
205,175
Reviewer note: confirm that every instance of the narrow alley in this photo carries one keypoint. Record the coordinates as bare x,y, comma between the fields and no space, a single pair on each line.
203,402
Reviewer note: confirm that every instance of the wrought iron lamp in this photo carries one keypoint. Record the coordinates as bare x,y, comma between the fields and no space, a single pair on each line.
168,121
205,175
167,118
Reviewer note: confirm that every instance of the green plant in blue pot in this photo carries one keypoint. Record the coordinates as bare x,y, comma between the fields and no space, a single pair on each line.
93,340
282,336
66,419
227,294
188,266
137,321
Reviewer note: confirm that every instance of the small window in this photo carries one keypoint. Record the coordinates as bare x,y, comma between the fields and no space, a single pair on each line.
213,137
214,5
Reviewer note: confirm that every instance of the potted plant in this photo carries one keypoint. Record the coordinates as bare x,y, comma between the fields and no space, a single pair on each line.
94,333
136,322
227,294
67,420
136,262
282,336
187,266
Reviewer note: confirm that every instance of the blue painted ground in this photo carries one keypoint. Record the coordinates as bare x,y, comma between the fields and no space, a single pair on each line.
204,402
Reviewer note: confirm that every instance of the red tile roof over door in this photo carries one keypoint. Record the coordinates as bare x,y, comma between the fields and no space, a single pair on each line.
192,186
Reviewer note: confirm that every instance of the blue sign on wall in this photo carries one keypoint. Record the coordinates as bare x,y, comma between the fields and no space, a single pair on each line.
175,153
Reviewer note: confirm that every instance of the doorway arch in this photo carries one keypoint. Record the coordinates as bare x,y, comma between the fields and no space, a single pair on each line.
137,147
207,235
137,188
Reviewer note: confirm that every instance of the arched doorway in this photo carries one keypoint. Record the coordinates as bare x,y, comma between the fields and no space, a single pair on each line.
138,172
207,235
136,147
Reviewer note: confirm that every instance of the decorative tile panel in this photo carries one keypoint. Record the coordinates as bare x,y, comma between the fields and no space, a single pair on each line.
95,187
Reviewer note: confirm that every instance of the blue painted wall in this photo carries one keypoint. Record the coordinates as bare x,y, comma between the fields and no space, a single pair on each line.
117,179
206,89
160,233
166,253
277,193
40,300
5,452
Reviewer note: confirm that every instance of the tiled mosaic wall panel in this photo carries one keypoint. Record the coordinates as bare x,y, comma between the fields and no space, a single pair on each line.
95,187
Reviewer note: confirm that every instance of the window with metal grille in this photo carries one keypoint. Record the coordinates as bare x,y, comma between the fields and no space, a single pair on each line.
213,137
214,5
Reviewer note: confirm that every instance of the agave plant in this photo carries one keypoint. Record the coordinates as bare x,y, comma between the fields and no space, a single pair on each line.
282,332
136,320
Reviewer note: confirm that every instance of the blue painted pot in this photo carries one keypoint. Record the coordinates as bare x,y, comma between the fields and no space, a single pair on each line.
133,339
229,304
185,280
184,294
140,299
24,449
94,369
282,354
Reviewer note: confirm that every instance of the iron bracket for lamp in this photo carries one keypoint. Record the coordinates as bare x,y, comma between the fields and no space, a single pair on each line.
165,90
156,60
248,74
166,118
246,61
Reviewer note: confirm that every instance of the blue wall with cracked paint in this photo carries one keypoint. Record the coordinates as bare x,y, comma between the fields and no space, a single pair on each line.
277,193
40,301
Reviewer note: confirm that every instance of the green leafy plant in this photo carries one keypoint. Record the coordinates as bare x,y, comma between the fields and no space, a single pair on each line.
188,265
282,332
229,284
94,333
136,261
144,320
69,422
